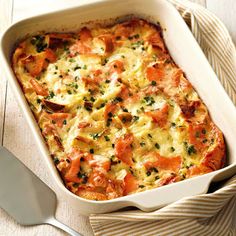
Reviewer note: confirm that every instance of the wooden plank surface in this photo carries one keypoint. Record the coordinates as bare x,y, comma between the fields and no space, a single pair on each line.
18,139
5,19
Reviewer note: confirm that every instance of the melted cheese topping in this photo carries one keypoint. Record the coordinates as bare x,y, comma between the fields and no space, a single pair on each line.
117,114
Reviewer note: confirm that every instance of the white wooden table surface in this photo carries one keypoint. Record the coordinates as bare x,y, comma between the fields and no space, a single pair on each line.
15,134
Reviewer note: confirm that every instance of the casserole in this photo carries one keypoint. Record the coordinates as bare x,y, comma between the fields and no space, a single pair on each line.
117,114
178,39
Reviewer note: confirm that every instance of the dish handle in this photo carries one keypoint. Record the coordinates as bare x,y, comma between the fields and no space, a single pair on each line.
157,198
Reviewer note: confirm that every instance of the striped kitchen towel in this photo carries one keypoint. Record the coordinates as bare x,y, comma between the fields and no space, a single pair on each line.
212,214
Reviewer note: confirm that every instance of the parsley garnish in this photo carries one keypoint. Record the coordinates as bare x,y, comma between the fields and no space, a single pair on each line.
149,100
191,150
157,145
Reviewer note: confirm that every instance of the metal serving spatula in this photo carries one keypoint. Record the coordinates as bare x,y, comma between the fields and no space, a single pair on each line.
24,196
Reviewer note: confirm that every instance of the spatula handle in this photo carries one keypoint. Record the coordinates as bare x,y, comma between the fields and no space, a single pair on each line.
62,226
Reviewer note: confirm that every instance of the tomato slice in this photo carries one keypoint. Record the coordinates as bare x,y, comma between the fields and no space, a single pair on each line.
98,179
36,63
83,124
123,149
72,173
155,73
110,109
116,66
79,48
214,159
197,135
85,34
38,88
168,180
131,184
108,42
115,189
91,195
160,116
156,40
59,118
50,55
165,163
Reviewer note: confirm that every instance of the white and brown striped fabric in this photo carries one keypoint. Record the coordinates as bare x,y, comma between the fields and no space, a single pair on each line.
212,214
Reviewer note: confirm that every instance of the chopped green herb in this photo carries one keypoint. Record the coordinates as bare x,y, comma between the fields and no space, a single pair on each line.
102,105
88,105
191,150
118,99
95,136
71,60
157,145
204,140
149,100
92,99
113,145
135,118
82,176
172,149
109,120
107,138
148,173
91,150
77,68
173,124
110,114
56,161
51,95
85,67
38,100
75,185
149,135
107,81
153,169
137,44
141,186
142,144
154,83
69,92
204,131
64,122
38,41
142,109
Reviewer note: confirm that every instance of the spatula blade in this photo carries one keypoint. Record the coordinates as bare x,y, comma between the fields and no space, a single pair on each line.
22,194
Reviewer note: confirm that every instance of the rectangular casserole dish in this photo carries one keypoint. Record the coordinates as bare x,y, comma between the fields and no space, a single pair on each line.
185,52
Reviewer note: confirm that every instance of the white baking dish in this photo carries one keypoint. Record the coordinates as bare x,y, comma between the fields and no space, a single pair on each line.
185,52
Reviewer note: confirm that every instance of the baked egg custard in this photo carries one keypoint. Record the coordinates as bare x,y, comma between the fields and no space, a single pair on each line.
117,114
